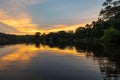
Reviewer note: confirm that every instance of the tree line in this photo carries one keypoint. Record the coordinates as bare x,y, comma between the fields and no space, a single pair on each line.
106,28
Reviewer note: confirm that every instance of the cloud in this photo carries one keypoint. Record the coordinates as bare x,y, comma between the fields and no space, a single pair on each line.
56,28
21,23
6,28
14,7
16,19
19,3
61,27
14,15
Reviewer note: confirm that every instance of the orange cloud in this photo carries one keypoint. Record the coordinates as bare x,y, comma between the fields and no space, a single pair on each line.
19,22
23,24
16,17
56,28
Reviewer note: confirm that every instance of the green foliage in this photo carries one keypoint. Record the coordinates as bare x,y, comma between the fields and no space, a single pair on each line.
110,16
111,34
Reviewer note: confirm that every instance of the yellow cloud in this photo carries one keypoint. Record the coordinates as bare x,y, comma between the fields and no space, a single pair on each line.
56,28
23,24
17,18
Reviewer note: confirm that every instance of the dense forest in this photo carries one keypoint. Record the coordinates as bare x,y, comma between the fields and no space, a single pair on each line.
105,29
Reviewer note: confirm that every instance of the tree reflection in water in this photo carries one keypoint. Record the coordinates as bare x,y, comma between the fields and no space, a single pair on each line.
107,57
110,62
108,69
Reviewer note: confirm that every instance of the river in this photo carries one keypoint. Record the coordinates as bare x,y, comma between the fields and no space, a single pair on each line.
46,62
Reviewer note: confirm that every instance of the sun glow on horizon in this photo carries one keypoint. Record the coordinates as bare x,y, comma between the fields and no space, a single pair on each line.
24,25
48,30
21,19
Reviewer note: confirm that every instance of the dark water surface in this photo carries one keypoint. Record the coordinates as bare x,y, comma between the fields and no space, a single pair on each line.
28,62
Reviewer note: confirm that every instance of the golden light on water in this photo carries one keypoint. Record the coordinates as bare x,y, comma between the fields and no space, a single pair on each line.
27,52
23,54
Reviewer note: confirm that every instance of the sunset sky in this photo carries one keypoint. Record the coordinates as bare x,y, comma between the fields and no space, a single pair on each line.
30,16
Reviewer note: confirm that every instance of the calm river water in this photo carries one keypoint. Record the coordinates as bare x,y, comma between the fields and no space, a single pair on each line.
42,62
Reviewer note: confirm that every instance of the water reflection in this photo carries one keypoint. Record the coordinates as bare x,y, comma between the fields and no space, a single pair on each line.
60,62
109,62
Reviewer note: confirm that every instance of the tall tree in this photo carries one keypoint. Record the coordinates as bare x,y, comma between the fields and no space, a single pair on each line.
111,8
37,36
